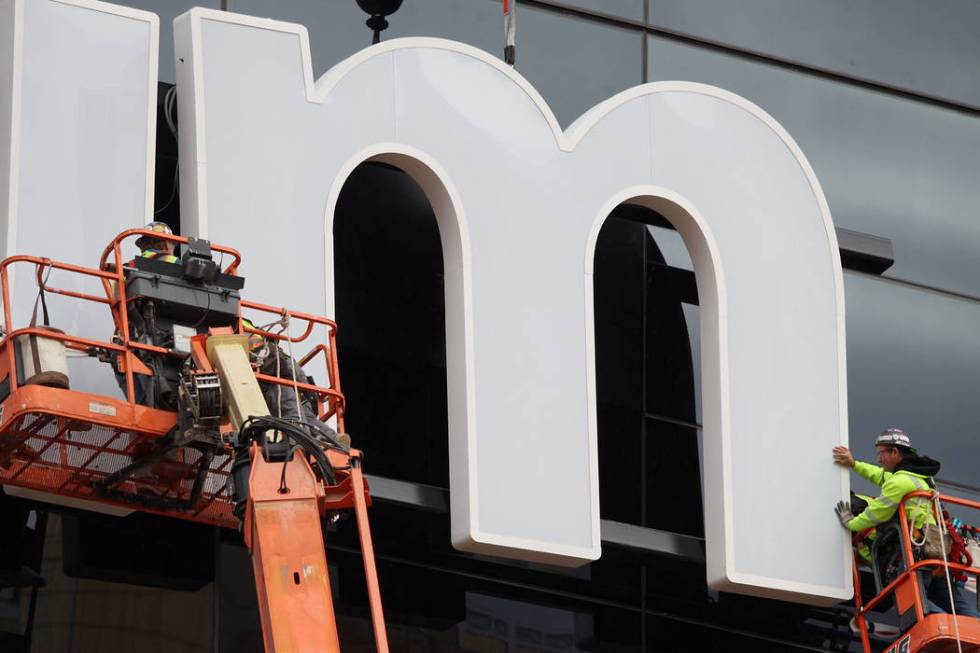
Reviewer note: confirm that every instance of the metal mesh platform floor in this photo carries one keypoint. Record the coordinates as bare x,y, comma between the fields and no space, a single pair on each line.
63,443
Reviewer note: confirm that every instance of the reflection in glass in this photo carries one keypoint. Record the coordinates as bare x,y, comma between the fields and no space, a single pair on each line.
914,362
891,167
846,38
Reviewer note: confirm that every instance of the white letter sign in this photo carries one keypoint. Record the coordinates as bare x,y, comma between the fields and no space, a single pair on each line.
78,89
265,150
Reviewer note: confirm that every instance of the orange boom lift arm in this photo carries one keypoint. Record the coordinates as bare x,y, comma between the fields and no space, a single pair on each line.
192,438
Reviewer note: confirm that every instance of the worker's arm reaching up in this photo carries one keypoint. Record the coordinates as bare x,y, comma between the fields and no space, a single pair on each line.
871,473
877,475
881,508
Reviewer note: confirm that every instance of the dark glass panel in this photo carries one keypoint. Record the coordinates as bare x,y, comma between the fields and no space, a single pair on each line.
891,167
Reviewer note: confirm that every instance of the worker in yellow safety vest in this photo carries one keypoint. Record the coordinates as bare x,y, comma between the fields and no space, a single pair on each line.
154,248
902,470
161,250
284,401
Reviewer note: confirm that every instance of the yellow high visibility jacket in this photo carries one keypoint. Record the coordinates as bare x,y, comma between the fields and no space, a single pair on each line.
161,256
894,486
152,254
256,342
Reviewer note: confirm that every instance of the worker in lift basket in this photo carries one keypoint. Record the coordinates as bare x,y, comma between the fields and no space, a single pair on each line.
268,358
161,250
158,248
903,470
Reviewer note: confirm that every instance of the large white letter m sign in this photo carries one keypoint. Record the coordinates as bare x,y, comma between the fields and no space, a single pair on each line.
265,149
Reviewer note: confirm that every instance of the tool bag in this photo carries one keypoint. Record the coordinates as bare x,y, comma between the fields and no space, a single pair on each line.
935,543
43,360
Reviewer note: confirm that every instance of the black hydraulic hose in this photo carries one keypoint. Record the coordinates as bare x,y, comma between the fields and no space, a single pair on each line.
254,429
298,436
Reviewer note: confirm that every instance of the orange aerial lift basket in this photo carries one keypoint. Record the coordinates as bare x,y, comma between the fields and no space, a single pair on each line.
921,632
172,445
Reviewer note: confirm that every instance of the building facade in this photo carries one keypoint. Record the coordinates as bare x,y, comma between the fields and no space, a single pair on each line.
883,99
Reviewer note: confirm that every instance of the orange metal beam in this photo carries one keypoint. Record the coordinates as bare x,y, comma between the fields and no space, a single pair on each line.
283,532
198,353
367,553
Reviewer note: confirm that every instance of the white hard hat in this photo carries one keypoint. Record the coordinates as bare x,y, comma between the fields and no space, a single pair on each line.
159,227
894,437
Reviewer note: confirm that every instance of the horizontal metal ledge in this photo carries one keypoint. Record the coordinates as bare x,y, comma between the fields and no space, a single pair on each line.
617,534
405,493
864,252
651,540
859,252
672,283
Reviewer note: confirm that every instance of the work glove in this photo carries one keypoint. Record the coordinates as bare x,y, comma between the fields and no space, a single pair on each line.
843,511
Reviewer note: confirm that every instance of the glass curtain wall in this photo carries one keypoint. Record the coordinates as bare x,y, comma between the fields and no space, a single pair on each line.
883,100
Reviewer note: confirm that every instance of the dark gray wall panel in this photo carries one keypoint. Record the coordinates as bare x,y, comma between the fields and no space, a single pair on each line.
891,167
630,9
914,362
574,63
927,47
337,29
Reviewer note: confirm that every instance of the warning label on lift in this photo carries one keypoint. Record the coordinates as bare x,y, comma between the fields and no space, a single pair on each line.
901,646
101,409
